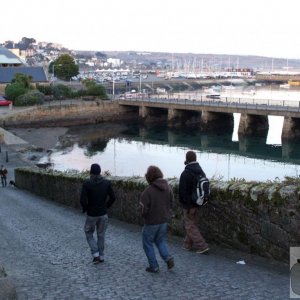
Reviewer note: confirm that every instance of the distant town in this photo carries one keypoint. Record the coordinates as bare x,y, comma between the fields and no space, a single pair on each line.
103,65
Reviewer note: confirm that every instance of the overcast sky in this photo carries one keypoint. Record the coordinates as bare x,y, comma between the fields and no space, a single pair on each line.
256,27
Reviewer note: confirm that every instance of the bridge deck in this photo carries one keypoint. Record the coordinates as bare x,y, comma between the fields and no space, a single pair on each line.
227,105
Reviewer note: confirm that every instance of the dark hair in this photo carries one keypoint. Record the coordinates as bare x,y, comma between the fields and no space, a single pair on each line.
153,173
95,169
190,157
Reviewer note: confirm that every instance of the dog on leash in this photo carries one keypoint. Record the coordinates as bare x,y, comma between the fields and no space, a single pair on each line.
12,183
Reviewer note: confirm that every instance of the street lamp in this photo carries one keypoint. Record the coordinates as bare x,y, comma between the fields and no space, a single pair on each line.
53,66
140,83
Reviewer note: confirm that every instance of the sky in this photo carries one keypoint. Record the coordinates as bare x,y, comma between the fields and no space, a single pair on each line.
234,27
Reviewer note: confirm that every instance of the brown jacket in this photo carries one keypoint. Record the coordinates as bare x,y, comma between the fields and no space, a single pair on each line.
156,202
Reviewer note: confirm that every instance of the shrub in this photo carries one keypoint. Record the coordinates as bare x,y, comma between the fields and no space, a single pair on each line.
61,91
97,90
14,90
32,97
45,89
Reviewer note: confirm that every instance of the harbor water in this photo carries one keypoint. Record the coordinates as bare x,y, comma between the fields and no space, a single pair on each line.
128,149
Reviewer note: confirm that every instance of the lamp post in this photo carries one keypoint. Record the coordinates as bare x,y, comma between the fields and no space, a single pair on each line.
140,82
53,66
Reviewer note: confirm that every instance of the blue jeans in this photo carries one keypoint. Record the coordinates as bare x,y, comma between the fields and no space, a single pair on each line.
100,224
155,234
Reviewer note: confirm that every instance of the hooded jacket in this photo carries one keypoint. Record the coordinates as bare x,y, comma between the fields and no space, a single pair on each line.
97,196
186,184
156,202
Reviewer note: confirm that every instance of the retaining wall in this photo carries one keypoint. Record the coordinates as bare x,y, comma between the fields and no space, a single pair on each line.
260,218
76,113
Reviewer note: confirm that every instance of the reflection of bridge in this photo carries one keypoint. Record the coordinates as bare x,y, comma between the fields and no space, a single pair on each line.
216,115
247,147
96,140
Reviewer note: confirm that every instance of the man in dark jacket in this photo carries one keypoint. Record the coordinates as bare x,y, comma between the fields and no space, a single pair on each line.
193,237
97,196
3,173
156,202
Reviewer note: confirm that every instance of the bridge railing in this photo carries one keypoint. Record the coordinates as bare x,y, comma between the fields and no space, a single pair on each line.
250,103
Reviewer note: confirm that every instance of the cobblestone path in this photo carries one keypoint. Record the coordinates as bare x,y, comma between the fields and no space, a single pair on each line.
44,251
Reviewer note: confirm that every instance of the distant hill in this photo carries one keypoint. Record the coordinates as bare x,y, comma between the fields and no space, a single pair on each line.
212,60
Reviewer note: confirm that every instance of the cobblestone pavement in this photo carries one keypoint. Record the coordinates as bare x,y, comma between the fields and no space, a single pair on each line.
44,251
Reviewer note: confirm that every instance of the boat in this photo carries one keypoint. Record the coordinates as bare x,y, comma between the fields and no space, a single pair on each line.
284,86
214,89
249,92
228,87
213,96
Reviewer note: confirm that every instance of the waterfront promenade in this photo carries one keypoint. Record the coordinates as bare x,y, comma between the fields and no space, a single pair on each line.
44,251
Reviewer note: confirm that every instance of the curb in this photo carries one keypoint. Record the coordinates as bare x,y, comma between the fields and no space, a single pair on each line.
7,288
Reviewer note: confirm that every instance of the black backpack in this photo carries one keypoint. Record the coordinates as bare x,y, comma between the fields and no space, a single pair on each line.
201,190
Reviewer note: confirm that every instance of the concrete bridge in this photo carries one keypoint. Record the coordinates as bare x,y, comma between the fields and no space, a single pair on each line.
216,115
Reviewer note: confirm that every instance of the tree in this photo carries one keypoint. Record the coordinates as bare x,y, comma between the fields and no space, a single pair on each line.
26,43
22,79
64,67
101,55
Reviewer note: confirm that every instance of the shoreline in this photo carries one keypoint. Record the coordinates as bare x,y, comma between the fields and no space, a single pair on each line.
40,141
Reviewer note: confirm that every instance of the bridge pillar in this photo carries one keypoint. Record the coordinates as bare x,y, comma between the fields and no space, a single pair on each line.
173,114
143,112
253,125
291,129
216,122
178,117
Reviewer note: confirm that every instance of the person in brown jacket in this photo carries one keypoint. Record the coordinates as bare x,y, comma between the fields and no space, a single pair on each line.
156,202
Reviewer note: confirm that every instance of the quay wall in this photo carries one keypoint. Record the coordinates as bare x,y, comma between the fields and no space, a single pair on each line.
74,113
255,217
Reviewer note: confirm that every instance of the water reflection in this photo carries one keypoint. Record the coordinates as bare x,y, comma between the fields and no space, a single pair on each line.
128,150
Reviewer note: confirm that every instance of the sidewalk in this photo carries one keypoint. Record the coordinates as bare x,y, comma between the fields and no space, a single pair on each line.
44,251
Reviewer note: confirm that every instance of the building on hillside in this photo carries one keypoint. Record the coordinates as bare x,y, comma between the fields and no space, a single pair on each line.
11,64
115,62
9,58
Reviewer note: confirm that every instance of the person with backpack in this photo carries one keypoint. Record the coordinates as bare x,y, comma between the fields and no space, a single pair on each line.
187,189
156,202
3,172
96,197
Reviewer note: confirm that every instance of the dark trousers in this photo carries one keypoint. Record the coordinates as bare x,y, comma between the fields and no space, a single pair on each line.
3,181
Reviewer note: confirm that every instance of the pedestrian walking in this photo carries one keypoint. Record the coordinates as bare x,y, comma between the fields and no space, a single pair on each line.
96,197
193,237
3,172
156,202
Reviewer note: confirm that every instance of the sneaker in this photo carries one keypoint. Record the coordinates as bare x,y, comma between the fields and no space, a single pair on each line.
152,270
202,251
170,263
186,248
97,260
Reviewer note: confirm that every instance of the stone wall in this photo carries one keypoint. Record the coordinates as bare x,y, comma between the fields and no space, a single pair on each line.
76,113
260,218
